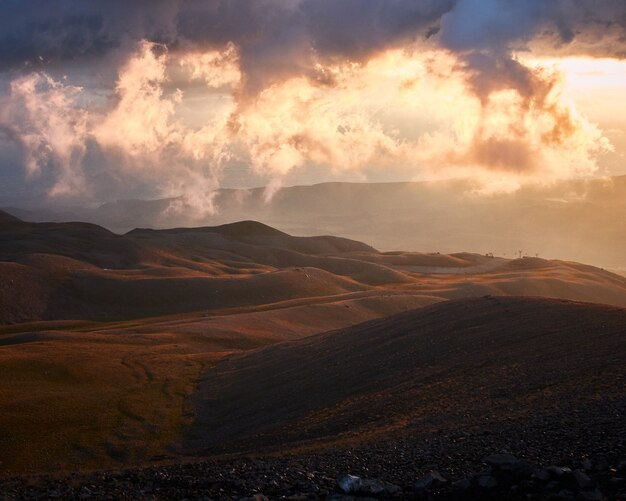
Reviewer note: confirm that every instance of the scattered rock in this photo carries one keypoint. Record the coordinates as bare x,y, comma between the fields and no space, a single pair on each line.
558,471
281,478
85,493
462,484
565,495
378,487
339,497
542,475
501,461
594,495
507,467
553,486
581,480
431,480
487,482
617,482
349,483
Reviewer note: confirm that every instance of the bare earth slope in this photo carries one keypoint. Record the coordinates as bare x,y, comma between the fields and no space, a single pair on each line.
453,366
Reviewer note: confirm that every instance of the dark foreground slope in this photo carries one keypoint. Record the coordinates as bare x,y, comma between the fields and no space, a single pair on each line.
437,388
454,367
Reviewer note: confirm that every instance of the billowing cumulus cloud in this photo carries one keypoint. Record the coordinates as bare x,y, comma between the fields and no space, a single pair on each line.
438,87
142,121
41,115
216,68
146,137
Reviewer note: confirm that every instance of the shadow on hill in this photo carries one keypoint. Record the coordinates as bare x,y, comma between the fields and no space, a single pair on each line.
453,366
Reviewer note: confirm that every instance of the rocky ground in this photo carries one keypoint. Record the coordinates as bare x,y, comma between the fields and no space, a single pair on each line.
551,467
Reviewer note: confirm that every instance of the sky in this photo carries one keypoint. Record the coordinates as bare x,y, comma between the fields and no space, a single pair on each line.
106,100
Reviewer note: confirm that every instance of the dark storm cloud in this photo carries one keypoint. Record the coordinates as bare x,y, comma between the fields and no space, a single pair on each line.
336,31
277,38
280,38
501,25
56,30
486,33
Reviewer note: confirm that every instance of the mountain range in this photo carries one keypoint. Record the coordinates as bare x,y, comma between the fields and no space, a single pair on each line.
580,220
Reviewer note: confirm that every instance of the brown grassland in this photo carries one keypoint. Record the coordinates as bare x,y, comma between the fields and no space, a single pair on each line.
104,338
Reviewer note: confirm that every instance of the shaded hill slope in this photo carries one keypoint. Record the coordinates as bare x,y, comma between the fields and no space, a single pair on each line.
451,366
81,241
54,271
7,219
79,270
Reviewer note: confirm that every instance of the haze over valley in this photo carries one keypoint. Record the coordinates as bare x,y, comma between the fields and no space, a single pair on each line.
581,220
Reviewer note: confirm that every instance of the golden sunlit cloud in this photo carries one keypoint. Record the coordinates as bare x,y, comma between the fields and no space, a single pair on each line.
145,129
415,109
142,121
595,85
505,139
216,68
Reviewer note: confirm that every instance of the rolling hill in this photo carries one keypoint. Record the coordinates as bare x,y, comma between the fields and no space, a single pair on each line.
53,271
117,337
460,366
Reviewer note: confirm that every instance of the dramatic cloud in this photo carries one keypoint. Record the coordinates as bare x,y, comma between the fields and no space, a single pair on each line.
40,114
147,137
282,33
142,121
44,31
216,68
172,92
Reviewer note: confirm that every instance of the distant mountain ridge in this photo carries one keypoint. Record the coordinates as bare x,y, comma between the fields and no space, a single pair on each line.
580,220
